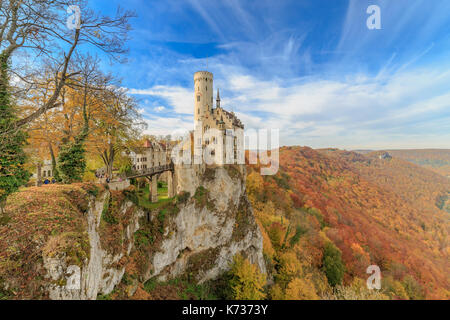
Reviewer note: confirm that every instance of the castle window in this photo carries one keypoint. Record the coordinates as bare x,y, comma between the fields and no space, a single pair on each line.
198,98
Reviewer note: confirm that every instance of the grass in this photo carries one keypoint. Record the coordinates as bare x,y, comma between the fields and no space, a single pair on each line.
163,198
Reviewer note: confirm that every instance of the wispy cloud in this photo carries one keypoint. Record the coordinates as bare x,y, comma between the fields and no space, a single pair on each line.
312,69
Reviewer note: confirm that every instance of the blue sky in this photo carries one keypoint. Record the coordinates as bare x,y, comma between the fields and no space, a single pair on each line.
310,68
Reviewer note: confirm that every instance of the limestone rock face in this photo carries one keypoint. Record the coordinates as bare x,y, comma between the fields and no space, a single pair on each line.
210,229
100,273
102,240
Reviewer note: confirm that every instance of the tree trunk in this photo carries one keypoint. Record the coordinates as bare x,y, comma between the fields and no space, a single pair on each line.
39,175
111,160
52,155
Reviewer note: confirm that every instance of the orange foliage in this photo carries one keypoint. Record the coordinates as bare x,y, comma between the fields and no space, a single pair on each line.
381,212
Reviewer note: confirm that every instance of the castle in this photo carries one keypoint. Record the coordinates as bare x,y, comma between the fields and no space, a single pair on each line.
211,118
212,127
215,130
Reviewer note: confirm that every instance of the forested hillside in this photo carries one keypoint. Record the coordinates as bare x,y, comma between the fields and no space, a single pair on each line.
437,160
327,215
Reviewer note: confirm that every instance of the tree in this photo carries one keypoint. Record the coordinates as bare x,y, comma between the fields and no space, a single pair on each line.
85,98
38,28
117,127
332,264
247,281
413,288
72,161
12,157
301,289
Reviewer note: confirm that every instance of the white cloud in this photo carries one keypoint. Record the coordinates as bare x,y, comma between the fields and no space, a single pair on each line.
181,99
159,109
351,112
164,126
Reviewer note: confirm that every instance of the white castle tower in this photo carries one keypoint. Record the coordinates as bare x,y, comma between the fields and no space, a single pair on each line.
203,81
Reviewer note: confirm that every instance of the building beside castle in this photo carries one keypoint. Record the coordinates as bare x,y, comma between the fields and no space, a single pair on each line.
151,154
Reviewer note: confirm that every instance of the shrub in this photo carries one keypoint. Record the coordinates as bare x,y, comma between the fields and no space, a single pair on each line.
183,197
332,264
413,288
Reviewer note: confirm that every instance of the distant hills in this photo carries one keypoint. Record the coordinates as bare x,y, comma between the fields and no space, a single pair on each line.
437,160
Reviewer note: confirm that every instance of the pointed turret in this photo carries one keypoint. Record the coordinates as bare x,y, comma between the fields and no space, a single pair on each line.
218,99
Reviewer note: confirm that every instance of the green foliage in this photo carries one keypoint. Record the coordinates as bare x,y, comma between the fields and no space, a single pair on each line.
332,264
318,215
132,196
183,197
143,238
200,194
299,232
413,288
441,201
126,169
150,284
282,180
104,296
4,219
71,162
202,199
107,215
12,156
198,292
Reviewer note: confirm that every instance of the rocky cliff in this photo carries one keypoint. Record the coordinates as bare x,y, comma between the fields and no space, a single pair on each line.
82,241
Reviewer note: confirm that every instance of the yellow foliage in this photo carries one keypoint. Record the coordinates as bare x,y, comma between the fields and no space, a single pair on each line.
247,281
290,266
276,292
268,249
301,289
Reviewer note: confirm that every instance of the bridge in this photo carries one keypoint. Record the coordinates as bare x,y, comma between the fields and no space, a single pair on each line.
152,174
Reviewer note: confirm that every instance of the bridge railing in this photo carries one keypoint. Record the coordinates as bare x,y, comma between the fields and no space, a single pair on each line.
152,170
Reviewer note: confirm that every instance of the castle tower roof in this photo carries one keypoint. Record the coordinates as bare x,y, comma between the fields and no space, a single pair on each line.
218,99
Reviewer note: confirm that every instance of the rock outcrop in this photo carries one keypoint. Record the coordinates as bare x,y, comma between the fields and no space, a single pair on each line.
100,238
213,226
